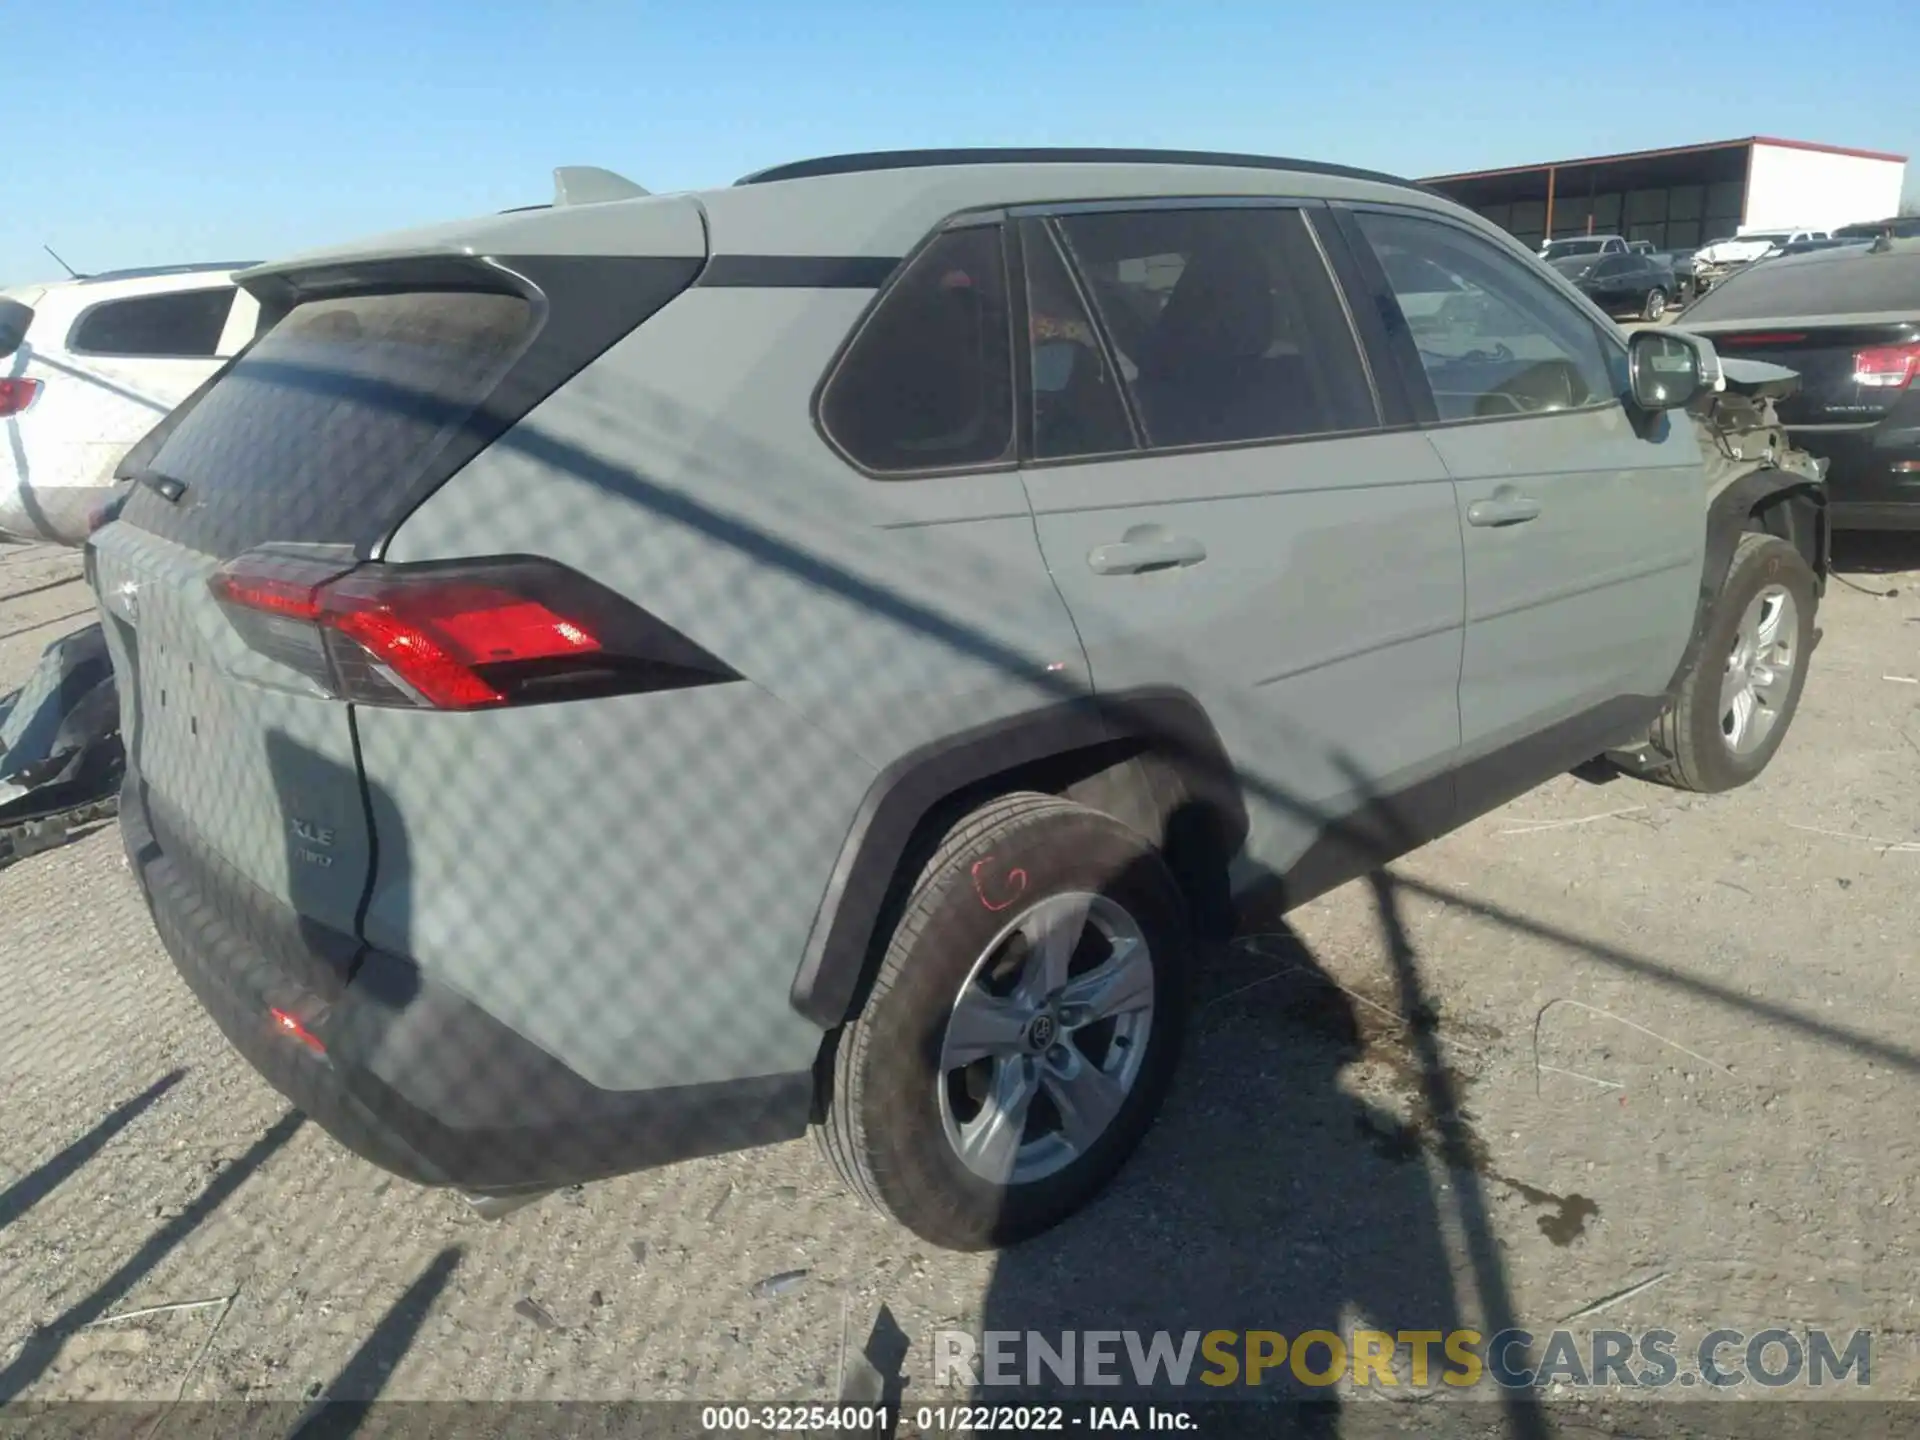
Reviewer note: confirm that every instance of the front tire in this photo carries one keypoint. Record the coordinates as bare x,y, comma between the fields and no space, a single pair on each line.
1656,304
1736,703
1022,1030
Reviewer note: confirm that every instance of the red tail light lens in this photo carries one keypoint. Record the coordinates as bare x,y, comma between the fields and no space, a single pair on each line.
470,636
1890,367
17,394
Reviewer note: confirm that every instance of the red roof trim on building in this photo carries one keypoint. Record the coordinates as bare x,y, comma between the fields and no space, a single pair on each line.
1828,149
1742,144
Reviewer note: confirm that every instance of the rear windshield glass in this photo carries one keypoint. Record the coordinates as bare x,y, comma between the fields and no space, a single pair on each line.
317,431
1825,282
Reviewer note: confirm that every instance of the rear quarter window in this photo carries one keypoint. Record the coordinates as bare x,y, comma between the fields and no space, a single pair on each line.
181,325
927,383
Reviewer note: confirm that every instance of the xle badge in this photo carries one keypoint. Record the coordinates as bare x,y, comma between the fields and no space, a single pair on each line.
310,835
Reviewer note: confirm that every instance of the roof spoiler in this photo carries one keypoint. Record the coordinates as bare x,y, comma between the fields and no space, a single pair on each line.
590,185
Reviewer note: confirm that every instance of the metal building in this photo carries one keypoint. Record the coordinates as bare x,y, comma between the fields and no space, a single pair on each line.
1689,195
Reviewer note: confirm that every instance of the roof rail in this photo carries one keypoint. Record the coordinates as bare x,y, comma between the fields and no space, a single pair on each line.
590,185
1086,155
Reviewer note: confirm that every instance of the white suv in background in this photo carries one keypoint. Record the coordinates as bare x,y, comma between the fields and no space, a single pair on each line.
89,366
1754,245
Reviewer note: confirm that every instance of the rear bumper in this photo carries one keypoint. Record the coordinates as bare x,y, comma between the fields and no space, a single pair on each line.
1864,490
413,1076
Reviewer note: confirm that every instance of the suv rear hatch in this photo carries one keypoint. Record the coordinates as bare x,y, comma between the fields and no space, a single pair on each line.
375,377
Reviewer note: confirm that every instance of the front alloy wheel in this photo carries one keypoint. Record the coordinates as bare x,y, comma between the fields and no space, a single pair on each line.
1759,670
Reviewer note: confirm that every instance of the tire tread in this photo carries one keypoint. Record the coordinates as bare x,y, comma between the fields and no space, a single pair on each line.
1674,732
841,1134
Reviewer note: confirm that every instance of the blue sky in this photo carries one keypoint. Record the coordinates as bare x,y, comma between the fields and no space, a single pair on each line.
146,134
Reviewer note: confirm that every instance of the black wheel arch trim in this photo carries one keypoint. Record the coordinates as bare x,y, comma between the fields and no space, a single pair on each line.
867,874
1728,519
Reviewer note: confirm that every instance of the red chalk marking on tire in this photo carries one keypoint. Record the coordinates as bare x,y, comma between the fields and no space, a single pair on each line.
1016,884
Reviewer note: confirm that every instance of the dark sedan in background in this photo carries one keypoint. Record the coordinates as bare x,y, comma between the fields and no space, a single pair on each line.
1848,320
1631,284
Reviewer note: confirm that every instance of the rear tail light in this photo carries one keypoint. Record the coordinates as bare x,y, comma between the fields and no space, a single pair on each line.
466,636
17,394
1888,367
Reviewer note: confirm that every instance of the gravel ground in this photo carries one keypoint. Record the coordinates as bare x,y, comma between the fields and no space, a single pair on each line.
1675,1035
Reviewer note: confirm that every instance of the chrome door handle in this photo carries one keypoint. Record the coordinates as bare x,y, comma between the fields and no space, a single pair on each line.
1143,548
1505,508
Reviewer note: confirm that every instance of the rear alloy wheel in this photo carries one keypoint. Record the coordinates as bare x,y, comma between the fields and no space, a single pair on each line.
1022,1029
1037,1061
1736,703
1656,305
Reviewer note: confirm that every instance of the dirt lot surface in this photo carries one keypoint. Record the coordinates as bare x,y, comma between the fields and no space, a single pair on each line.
1656,1041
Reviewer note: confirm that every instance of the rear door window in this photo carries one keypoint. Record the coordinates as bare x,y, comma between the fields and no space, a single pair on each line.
180,325
1225,323
317,431
927,384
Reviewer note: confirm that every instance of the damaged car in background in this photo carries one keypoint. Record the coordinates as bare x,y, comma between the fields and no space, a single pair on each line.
1847,322
87,367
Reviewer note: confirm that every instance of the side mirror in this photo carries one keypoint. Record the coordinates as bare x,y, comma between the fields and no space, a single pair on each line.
1668,369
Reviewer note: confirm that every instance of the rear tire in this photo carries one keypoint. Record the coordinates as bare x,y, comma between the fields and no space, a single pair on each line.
1712,746
947,1145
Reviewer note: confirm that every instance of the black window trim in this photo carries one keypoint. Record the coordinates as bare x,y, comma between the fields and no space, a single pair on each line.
73,330
1610,338
1394,409
989,217
1307,205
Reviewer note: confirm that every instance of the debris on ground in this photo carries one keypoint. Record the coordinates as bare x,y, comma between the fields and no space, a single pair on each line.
531,1309
781,1284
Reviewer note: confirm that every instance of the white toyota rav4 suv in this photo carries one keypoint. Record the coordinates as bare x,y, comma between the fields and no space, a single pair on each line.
87,367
